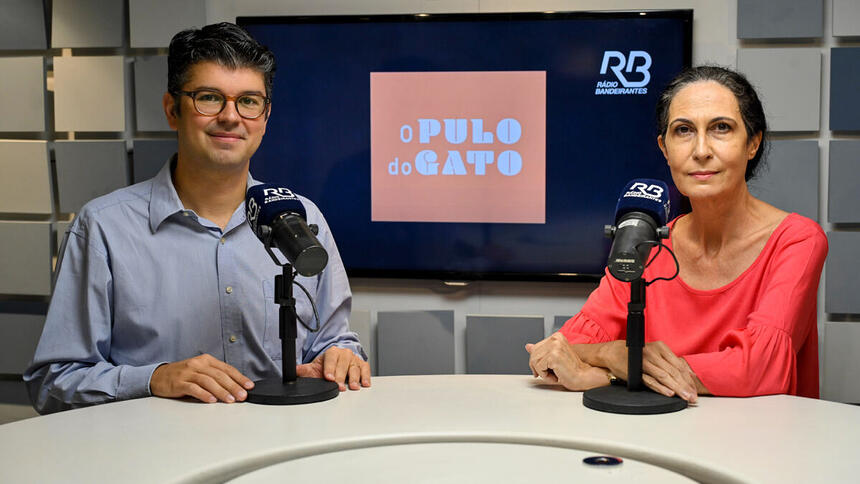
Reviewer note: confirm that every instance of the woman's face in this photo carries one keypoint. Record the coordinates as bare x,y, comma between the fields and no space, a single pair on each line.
706,142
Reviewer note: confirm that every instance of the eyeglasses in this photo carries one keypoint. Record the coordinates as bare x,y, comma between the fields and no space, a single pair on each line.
210,103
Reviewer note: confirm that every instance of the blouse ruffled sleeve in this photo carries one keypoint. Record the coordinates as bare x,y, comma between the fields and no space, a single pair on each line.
603,318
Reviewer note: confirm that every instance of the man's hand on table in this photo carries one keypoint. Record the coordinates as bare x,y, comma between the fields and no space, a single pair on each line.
339,365
203,377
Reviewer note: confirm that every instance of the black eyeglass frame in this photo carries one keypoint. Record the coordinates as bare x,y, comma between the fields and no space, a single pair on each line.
193,95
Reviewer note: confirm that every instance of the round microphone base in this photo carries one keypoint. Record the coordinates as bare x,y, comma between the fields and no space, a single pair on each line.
618,399
274,391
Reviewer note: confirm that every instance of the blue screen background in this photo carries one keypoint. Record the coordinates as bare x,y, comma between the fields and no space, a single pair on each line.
318,136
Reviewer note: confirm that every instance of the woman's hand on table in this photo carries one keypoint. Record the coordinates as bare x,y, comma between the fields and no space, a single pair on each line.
555,361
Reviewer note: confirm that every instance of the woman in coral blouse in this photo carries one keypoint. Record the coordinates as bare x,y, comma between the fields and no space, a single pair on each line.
740,318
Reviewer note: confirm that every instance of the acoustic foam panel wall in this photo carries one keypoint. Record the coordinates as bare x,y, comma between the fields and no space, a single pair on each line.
22,93
496,344
86,23
789,82
843,205
89,93
359,321
150,27
789,177
25,258
558,322
415,342
842,273
845,89
846,18
88,169
20,327
25,184
149,155
150,84
841,361
758,19
22,25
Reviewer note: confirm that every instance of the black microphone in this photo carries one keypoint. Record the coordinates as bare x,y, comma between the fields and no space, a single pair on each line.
278,218
640,217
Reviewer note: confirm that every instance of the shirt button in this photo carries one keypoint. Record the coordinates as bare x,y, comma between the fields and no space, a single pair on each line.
229,289
233,338
222,240
187,214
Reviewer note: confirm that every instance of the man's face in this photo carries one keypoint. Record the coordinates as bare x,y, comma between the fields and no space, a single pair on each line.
225,141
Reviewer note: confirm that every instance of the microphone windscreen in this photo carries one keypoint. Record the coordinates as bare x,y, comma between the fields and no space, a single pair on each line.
266,202
645,195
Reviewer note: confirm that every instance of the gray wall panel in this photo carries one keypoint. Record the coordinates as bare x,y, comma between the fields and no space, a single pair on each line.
415,342
25,258
789,82
150,27
845,89
841,362
25,183
789,179
22,92
842,273
20,327
88,169
89,93
86,23
759,19
558,322
149,155
359,321
846,18
22,25
150,84
843,204
60,229
496,344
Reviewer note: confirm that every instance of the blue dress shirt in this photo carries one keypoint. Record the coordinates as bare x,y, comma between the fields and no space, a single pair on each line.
142,281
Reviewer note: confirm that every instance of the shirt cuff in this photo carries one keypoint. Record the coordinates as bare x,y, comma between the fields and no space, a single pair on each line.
134,381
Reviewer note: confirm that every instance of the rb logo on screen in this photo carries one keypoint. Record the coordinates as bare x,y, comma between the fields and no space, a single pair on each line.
637,61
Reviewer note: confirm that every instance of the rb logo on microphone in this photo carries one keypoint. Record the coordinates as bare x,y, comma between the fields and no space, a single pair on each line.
649,191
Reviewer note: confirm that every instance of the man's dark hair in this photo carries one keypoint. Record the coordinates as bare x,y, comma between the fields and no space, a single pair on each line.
749,104
227,44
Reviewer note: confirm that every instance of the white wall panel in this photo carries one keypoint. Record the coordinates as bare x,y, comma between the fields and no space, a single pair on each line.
22,94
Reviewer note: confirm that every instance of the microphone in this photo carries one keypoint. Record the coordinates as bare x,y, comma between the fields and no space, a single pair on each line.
640,216
278,218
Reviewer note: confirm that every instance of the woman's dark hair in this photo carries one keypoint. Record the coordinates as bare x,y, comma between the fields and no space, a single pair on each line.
750,106
227,44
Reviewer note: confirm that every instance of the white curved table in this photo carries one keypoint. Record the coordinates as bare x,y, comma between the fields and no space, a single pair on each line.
420,425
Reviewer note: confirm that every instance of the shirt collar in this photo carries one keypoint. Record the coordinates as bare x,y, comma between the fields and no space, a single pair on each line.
164,200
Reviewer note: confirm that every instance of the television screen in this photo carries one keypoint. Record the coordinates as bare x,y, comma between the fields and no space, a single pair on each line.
468,146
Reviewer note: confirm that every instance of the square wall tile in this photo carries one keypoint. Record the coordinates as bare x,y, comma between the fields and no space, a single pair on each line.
841,362
22,92
415,342
558,322
846,18
496,344
25,186
785,19
360,323
22,25
21,325
150,84
25,258
60,228
789,83
88,169
843,205
845,89
150,155
842,273
789,177
86,23
150,27
89,93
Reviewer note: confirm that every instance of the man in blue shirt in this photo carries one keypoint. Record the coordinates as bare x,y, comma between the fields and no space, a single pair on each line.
162,288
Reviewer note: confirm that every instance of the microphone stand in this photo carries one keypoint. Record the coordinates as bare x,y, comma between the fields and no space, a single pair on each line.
634,398
289,389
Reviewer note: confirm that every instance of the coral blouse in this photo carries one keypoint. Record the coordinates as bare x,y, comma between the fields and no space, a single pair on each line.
757,335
